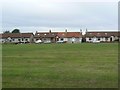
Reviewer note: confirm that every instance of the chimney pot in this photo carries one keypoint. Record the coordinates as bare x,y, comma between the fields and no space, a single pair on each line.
50,31
65,30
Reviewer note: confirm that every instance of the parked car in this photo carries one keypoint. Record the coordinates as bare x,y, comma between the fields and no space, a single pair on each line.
38,41
46,42
96,41
60,41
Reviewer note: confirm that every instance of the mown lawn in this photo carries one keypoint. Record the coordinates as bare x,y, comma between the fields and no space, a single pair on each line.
85,65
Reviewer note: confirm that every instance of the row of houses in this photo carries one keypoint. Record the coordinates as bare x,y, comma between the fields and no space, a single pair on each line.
53,37
16,37
69,37
102,36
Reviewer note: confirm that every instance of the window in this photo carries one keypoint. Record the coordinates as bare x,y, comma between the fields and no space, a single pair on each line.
61,39
105,33
26,39
13,39
89,38
106,38
37,39
19,40
98,39
22,39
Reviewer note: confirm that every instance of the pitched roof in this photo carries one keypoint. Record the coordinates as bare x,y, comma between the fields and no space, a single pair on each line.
59,34
26,35
17,35
102,34
45,35
73,34
69,34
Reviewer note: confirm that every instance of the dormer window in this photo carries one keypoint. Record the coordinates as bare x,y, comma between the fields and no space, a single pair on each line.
105,33
98,33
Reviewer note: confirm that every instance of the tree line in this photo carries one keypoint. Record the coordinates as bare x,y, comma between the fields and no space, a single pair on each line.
14,31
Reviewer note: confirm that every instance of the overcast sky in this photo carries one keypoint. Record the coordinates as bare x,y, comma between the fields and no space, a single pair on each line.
42,15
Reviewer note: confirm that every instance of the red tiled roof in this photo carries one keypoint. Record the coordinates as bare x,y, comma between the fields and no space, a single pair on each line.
59,34
73,34
69,34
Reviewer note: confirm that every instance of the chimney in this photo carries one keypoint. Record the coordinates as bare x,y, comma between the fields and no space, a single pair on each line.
86,30
36,32
81,31
50,31
65,30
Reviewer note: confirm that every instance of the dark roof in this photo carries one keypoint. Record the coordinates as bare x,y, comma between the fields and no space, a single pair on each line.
17,35
102,34
26,35
44,35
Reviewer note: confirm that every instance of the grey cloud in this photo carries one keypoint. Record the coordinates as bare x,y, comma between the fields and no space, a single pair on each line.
91,15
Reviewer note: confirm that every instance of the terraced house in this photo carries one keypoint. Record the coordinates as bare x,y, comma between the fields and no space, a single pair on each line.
70,37
67,37
45,36
59,37
102,36
16,38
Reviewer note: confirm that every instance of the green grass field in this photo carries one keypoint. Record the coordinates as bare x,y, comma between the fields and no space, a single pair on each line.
85,65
